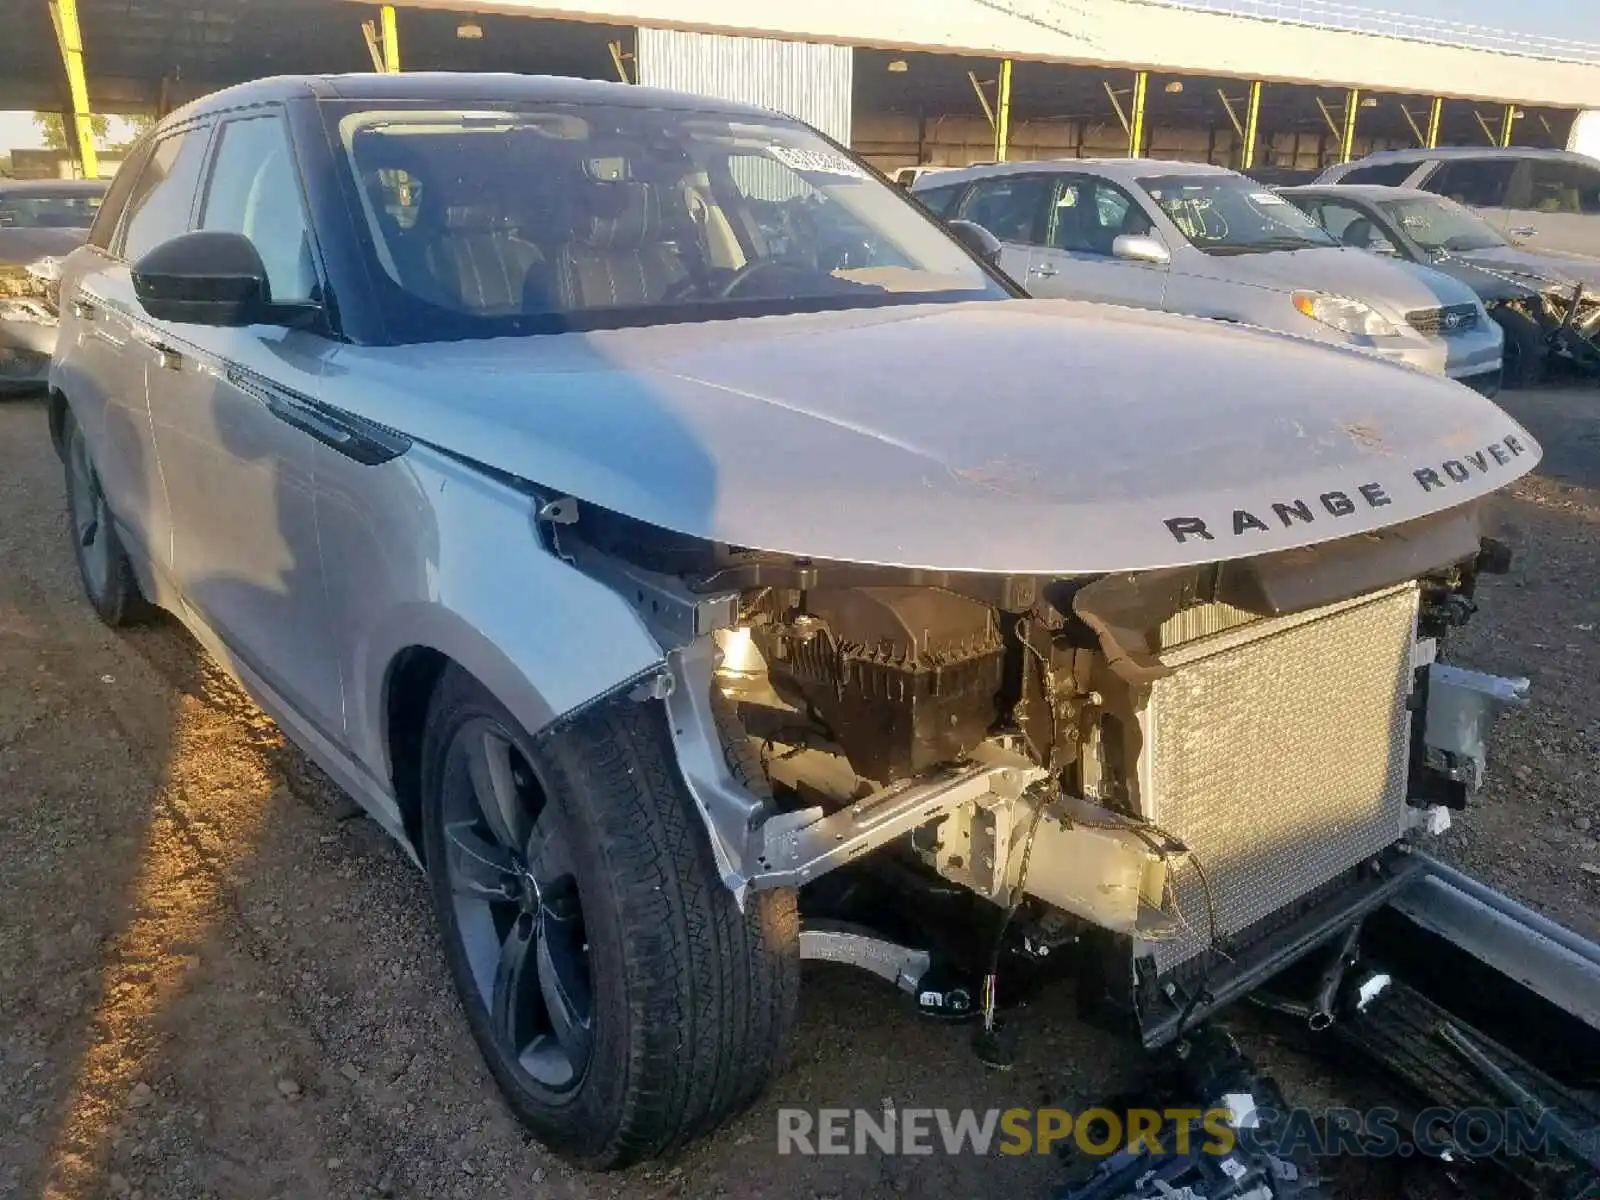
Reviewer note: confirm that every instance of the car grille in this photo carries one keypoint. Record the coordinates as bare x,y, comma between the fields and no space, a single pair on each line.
1277,752
1451,319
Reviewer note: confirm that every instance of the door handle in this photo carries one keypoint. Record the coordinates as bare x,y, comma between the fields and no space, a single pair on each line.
83,310
169,358
1523,231
1045,271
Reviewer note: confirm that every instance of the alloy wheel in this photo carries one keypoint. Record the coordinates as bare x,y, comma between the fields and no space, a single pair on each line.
509,865
86,503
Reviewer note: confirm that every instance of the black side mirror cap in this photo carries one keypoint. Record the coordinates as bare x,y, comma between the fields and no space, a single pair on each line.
977,239
211,277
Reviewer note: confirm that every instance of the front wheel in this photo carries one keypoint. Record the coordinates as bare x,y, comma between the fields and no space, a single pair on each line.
623,1002
108,580
1523,359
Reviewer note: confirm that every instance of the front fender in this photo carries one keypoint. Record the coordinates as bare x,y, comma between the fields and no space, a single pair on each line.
427,551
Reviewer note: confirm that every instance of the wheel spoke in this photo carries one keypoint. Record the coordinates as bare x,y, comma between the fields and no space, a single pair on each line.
516,987
564,983
479,868
549,856
489,761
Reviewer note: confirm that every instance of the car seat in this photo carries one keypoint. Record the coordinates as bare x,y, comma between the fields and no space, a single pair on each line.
616,256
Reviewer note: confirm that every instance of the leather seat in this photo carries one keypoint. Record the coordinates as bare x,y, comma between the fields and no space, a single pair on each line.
617,255
480,264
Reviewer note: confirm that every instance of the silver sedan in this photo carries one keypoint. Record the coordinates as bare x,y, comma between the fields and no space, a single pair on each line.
1206,241
39,222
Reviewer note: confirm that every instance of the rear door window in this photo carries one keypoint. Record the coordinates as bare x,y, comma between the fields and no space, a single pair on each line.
163,198
1564,187
1475,182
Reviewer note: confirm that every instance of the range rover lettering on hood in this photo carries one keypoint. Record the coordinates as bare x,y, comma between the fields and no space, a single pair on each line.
1022,436
1332,505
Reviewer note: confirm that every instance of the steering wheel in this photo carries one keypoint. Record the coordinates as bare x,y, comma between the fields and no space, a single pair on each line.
749,271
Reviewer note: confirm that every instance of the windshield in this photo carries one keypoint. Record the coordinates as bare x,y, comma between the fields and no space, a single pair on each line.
1228,214
1442,225
488,222
48,210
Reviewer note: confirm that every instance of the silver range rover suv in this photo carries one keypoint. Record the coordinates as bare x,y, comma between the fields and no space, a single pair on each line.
653,517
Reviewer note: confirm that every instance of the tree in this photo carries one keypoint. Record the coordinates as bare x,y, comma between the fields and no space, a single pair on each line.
54,128
138,125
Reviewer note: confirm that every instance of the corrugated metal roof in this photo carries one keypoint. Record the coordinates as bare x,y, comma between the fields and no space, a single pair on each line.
802,79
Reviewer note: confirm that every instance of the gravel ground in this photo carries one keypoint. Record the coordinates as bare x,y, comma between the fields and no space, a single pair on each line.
215,980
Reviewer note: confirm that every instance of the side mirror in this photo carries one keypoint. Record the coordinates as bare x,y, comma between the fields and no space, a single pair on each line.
210,277
1140,247
977,239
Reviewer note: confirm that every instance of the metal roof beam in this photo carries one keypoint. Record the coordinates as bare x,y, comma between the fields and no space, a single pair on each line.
79,120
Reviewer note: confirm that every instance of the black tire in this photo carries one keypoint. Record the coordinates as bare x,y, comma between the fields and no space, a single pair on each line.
689,1001
109,583
1523,363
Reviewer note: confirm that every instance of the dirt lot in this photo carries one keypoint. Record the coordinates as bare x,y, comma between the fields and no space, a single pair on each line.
216,981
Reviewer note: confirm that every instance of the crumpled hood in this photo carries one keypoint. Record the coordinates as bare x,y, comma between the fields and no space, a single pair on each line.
1395,285
1010,436
1530,266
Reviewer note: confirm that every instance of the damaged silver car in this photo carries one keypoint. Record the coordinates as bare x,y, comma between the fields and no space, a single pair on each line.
668,532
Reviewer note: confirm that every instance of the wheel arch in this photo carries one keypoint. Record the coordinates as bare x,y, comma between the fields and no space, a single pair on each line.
56,410
411,676
409,685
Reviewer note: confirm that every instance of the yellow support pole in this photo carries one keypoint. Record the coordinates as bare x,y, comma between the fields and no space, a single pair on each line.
69,37
1002,113
1252,125
1507,124
391,40
1347,139
1435,115
1141,84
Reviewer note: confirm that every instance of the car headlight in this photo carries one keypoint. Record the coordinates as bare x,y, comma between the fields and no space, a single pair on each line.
1344,314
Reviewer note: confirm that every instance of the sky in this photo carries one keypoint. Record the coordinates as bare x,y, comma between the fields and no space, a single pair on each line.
1578,20
18,132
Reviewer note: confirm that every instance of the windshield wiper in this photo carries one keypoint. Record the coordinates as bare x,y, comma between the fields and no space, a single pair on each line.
1289,243
1266,246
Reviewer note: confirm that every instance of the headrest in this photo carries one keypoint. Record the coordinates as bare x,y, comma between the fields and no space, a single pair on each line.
474,218
617,215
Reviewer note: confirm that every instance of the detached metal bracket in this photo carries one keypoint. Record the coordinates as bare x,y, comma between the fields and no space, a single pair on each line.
903,966
675,615
796,847
1461,706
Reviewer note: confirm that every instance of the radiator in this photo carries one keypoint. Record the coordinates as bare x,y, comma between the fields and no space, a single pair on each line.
1277,751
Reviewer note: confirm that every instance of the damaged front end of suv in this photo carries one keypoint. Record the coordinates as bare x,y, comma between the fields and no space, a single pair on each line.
1200,772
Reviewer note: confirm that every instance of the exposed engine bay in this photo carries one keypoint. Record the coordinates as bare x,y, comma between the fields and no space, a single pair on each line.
1567,315
1183,763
